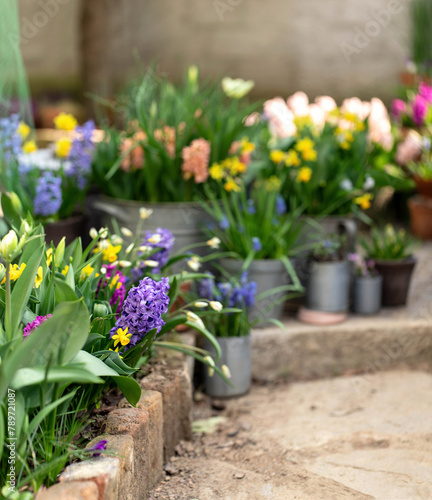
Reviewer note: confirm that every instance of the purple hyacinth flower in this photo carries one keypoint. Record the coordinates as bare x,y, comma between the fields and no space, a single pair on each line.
98,448
80,156
281,207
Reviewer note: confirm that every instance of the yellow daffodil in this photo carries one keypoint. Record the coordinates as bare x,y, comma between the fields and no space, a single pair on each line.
65,270
277,156
216,172
246,146
305,144
309,155
292,159
49,254
39,277
65,121
63,147
15,272
121,337
29,147
231,185
116,350
108,250
87,271
273,183
360,126
304,175
23,130
237,167
364,201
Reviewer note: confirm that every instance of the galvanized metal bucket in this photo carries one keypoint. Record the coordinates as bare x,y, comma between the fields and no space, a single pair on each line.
237,355
367,294
267,274
328,286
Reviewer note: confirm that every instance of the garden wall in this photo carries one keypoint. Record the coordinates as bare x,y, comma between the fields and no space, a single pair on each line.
339,47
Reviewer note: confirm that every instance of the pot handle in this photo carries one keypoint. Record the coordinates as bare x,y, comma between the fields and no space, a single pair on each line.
115,212
349,228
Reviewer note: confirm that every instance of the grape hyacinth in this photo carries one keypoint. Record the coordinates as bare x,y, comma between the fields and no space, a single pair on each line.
80,155
48,197
30,327
281,207
143,309
240,295
10,139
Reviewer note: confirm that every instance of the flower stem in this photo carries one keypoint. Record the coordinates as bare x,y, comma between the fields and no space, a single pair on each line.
8,312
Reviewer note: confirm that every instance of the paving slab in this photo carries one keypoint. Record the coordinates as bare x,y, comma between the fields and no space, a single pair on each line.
354,437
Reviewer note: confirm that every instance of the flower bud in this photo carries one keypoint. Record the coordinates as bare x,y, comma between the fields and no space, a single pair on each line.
100,310
200,303
16,203
217,306
226,371
126,232
2,272
93,233
8,244
60,250
145,212
25,227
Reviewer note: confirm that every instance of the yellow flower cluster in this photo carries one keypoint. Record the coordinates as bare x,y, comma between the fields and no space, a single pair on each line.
68,123
108,250
306,148
364,201
303,150
226,171
15,272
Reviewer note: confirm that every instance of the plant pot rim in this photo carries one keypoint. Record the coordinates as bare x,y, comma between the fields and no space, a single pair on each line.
420,201
232,259
150,204
412,259
369,278
330,262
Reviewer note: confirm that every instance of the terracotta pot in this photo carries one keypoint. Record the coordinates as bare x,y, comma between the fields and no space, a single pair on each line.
413,79
421,217
72,228
423,187
396,275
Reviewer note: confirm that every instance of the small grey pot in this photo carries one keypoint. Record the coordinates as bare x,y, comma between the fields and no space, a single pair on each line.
328,287
237,355
367,294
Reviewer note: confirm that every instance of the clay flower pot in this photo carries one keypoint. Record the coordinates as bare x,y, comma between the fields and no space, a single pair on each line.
421,216
396,277
424,187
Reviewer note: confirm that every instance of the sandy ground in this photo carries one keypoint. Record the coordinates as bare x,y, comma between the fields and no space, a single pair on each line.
353,437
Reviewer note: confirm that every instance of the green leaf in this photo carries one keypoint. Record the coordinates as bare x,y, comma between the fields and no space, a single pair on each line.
94,365
130,388
10,214
69,374
63,291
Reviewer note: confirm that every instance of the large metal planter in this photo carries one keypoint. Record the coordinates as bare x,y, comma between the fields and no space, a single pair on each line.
237,355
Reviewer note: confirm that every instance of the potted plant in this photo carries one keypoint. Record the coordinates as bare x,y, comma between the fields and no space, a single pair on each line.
391,250
232,332
327,290
367,285
52,182
257,234
173,134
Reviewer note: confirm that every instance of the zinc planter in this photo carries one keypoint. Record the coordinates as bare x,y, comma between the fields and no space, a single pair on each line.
328,287
237,355
72,228
367,294
184,220
396,277
420,209
267,274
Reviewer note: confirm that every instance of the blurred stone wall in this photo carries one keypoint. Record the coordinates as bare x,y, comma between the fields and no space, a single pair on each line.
337,47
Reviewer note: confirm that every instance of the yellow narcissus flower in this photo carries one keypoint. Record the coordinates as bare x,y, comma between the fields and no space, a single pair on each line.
65,270
304,175
309,155
121,337
231,185
15,272
273,183
87,271
216,172
237,167
277,156
63,147
305,144
39,277
65,121
49,256
292,159
364,201
110,252
29,147
23,130
246,146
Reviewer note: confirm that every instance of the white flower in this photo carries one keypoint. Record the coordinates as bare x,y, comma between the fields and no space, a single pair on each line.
194,263
193,318
209,360
426,142
103,232
238,88
145,213
8,244
346,185
145,248
214,242
210,371
126,232
217,306
125,263
103,270
103,244
155,238
200,303
369,183
130,248
151,263
116,240
226,371
93,233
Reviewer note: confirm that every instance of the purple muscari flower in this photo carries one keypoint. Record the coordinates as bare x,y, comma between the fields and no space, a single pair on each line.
251,207
224,222
98,448
425,91
281,207
143,309
419,108
48,197
240,296
256,244
398,108
80,156
165,244
206,288
30,327
10,139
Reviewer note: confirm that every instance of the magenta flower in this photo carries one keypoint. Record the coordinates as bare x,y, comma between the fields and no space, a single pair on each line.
419,108
398,108
30,327
425,91
98,448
